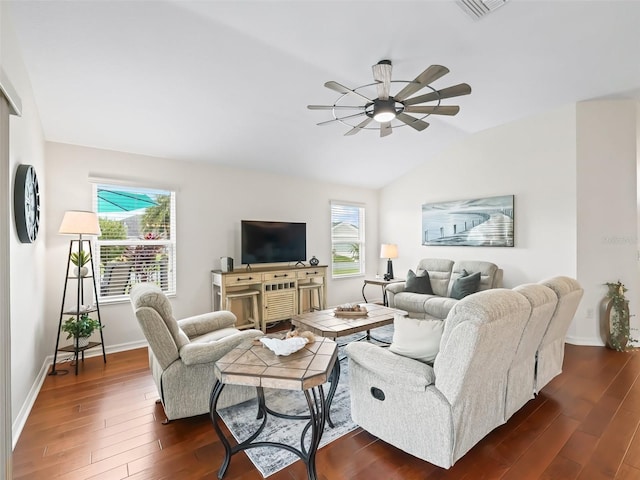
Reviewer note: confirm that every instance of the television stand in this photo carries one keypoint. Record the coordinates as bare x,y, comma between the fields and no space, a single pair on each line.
277,287
300,262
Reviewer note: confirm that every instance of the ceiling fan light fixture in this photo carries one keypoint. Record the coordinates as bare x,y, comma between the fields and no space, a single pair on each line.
384,110
384,117
387,108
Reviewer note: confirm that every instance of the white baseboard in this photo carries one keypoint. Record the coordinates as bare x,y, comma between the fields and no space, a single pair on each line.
23,414
585,341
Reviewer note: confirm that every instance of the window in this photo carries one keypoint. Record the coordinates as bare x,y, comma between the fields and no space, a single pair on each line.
138,240
347,239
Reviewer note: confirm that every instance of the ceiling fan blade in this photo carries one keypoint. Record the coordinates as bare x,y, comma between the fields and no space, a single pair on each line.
434,110
341,118
336,107
431,74
455,91
385,129
412,121
342,89
382,75
359,127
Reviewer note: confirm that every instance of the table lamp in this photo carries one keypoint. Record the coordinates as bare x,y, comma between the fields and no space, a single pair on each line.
389,251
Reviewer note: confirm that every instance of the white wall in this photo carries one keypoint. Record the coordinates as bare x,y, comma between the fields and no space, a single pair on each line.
607,244
533,159
210,203
573,174
29,342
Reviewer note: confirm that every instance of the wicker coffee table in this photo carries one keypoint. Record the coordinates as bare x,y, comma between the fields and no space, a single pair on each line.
330,324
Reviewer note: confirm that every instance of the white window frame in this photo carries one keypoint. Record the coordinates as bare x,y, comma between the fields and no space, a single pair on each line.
168,275
342,243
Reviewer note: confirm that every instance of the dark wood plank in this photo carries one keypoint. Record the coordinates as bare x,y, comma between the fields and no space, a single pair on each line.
543,450
561,467
104,424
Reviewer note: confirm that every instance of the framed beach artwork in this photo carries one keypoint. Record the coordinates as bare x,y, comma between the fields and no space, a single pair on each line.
479,222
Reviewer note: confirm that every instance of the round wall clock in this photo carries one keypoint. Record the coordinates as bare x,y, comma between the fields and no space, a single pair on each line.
26,203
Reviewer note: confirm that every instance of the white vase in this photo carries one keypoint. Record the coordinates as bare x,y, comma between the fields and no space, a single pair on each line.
83,342
81,271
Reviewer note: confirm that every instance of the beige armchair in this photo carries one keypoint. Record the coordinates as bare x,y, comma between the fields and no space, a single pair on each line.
182,352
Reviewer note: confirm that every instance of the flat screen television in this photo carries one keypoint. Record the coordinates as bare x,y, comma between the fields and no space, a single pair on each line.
273,242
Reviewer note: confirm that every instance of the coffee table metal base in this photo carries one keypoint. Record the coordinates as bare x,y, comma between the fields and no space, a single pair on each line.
318,405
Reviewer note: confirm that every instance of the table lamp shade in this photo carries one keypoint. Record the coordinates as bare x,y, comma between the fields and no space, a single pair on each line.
78,222
389,250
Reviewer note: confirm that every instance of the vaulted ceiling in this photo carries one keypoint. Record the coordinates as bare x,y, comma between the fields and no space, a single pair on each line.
228,82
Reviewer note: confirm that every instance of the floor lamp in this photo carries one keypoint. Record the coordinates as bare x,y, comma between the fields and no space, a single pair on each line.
76,222
389,251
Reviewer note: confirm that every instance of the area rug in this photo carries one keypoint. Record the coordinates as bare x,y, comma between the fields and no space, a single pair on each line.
241,419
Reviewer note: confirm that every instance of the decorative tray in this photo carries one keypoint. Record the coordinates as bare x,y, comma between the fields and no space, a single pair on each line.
351,313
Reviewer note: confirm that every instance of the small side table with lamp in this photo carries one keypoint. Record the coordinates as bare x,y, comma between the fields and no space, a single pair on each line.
388,251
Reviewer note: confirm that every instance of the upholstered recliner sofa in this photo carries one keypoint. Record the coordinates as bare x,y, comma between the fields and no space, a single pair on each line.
439,412
521,379
182,353
550,353
540,352
443,274
493,344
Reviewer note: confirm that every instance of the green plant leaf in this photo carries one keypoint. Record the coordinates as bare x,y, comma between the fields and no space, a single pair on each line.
81,326
81,258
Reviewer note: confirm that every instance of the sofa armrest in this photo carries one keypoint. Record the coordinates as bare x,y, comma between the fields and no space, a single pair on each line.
497,279
198,353
396,287
391,290
206,322
391,368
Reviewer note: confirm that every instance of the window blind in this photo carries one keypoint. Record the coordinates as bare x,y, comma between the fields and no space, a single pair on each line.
138,240
347,239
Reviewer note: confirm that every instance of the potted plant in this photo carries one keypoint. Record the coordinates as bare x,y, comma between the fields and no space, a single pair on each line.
616,318
80,259
81,327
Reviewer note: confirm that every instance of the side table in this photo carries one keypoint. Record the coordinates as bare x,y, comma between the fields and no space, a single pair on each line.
383,284
306,370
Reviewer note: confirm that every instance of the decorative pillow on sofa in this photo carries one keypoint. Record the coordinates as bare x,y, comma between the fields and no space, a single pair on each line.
416,338
418,283
465,285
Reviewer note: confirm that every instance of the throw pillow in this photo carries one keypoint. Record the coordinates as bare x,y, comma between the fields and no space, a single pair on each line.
416,338
465,285
418,283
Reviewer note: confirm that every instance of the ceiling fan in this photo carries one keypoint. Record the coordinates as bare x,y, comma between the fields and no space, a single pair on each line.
379,105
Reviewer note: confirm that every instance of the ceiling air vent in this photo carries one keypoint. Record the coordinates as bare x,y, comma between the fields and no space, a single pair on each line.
477,9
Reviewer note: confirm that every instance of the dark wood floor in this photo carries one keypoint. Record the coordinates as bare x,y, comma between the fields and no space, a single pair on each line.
105,424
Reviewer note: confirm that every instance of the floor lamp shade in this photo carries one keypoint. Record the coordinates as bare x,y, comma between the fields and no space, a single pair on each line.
389,251
78,222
